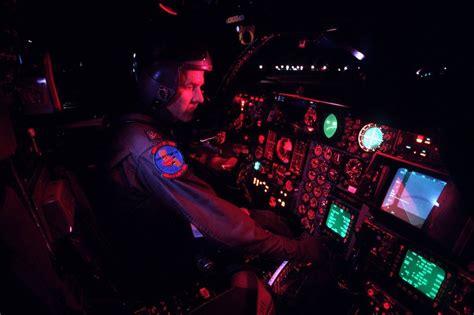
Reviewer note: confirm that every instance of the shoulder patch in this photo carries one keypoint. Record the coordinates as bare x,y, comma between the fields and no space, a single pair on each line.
151,134
168,159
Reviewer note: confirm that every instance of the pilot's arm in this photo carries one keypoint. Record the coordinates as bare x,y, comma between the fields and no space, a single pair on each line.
216,218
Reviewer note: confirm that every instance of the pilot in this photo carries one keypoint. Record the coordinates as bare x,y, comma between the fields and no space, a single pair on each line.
155,194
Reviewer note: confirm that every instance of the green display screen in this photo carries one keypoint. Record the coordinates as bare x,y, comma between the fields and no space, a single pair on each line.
422,274
338,220
330,125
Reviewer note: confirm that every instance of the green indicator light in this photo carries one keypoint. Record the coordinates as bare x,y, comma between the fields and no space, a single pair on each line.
256,165
422,274
330,126
338,220
373,138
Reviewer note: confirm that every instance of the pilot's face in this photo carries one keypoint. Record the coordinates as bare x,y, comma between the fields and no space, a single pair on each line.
188,95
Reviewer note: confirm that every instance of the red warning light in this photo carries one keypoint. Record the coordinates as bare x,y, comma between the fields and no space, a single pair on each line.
420,138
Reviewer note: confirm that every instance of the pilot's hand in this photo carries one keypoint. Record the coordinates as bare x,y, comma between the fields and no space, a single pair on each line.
312,249
223,164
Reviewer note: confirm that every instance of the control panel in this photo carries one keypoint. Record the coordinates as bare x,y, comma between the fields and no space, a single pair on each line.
377,192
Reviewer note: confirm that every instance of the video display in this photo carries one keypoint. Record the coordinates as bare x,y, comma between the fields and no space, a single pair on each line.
422,274
338,220
412,196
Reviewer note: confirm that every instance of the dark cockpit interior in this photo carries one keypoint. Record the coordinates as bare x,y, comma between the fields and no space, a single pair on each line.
352,126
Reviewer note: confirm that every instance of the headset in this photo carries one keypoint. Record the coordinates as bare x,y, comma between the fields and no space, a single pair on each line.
158,81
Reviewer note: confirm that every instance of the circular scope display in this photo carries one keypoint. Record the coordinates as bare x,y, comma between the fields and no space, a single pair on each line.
370,137
330,126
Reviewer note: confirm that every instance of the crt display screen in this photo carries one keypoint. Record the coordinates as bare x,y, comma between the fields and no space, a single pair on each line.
338,220
422,274
412,195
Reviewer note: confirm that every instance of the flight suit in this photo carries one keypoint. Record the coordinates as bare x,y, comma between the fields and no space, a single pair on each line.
154,189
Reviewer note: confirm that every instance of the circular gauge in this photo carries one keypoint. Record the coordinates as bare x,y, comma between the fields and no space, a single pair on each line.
310,117
305,197
327,153
317,191
318,150
301,209
370,137
353,168
289,186
283,149
321,179
330,126
332,174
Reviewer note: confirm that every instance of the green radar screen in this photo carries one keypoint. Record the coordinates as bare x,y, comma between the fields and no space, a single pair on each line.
422,274
330,126
338,220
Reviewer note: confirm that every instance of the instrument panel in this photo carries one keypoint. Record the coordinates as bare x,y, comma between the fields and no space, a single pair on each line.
377,191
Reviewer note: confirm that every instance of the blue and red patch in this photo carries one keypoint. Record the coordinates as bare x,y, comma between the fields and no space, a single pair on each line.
168,159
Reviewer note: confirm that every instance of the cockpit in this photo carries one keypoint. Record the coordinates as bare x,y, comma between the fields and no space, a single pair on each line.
348,128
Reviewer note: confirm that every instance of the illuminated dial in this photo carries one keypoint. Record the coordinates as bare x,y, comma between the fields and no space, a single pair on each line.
314,163
332,174
302,209
310,117
318,150
289,186
321,179
330,126
353,169
370,137
305,197
317,191
327,153
284,148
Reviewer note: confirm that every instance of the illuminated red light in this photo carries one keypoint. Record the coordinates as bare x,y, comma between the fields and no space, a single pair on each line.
386,305
204,292
420,138
352,189
32,132
370,292
167,9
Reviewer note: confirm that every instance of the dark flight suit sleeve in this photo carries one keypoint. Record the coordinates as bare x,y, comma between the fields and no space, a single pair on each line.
217,218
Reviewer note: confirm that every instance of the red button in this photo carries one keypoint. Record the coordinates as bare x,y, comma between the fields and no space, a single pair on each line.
204,292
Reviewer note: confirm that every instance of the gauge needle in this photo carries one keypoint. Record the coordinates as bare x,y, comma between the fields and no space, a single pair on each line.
207,139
